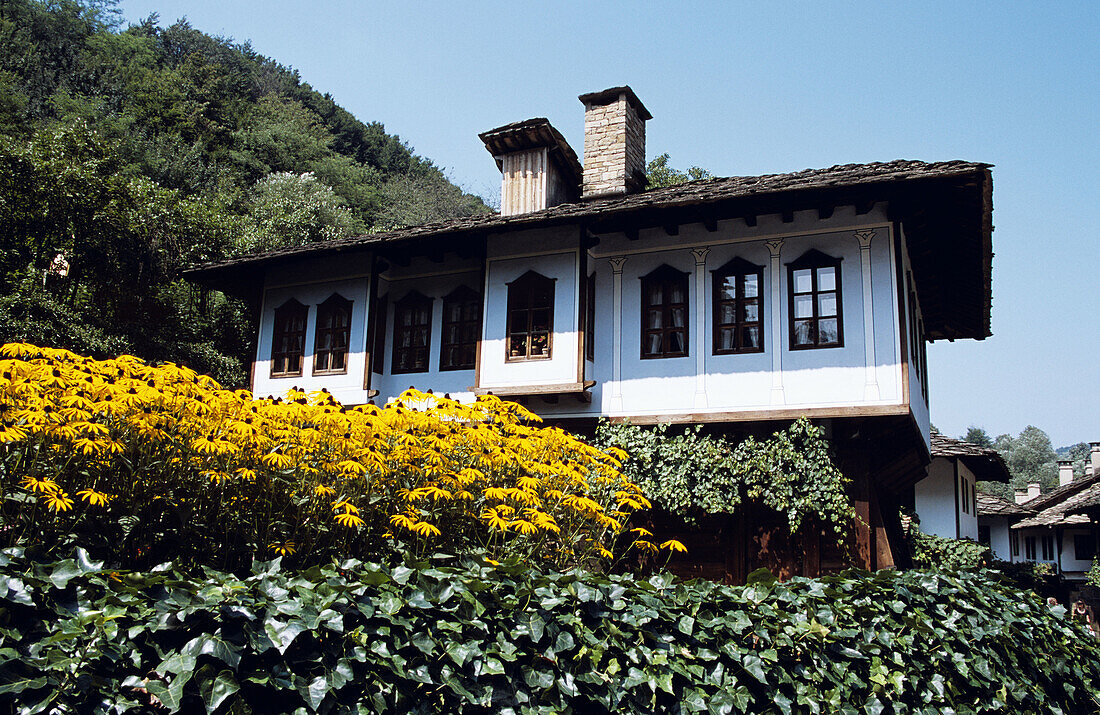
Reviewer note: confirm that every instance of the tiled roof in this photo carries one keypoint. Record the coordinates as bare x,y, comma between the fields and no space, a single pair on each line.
949,204
986,463
1059,506
991,505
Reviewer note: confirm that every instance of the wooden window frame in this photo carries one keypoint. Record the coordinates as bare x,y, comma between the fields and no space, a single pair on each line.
666,275
590,318
521,293
736,268
814,260
412,301
462,295
284,313
322,359
381,313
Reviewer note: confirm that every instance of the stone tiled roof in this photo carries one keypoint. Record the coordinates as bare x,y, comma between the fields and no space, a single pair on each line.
986,463
949,204
1059,507
991,505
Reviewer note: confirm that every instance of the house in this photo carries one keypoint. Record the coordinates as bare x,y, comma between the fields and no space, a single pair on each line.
947,499
1064,530
995,519
741,303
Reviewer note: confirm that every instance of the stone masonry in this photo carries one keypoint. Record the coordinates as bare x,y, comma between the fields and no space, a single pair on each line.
614,142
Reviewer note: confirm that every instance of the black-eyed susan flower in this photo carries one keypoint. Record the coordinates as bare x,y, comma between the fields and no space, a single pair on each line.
58,501
349,520
36,484
93,497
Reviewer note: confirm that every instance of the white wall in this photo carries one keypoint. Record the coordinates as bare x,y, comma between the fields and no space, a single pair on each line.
998,536
934,500
1072,566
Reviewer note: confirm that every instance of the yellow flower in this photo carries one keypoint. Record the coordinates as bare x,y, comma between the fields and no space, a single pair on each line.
58,501
347,506
277,460
349,520
674,545
11,433
93,497
645,546
425,529
284,548
39,485
322,491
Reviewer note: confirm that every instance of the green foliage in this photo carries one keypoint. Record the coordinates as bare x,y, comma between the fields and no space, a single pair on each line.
1093,575
692,474
193,136
659,174
932,551
444,637
1030,457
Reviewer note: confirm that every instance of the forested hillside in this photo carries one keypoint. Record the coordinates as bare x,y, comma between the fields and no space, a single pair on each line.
126,153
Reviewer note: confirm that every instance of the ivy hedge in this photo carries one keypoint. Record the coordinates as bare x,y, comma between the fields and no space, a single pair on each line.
438,636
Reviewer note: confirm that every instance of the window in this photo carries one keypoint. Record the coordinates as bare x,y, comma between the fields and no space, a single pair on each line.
984,535
1084,547
738,308
461,329
330,345
1029,548
288,343
379,358
815,308
530,317
1014,543
412,333
664,313
590,318
1048,547
965,488
974,497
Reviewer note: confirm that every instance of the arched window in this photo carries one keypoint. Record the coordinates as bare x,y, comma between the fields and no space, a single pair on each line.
412,333
738,308
530,317
288,341
815,309
330,345
664,313
461,329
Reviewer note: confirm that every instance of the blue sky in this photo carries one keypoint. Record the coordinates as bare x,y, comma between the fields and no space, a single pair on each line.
751,88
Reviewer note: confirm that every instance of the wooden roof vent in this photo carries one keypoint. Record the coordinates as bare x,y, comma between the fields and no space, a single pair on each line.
538,168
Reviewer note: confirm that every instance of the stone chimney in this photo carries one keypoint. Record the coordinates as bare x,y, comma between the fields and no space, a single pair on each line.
1021,496
1065,472
538,167
1094,457
614,142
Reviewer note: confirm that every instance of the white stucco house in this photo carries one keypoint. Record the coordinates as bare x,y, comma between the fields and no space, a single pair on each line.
741,303
946,500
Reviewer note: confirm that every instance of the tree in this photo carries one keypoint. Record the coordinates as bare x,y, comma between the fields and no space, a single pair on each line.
1030,458
295,209
977,435
658,173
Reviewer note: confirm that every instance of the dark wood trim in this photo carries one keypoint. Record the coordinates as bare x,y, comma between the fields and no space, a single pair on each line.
293,307
372,323
565,388
764,415
750,220
344,304
903,327
411,301
582,303
672,229
462,294
710,223
666,275
484,287
738,267
524,283
814,260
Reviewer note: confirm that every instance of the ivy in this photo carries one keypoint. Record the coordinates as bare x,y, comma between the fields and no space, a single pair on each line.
932,551
442,636
693,475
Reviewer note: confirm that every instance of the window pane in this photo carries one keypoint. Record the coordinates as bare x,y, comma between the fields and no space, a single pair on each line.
750,312
826,305
803,306
294,363
540,344
750,338
728,291
337,361
676,293
540,319
803,332
750,283
826,278
676,317
828,331
656,294
656,319
725,339
803,281
518,346
725,314
676,342
653,344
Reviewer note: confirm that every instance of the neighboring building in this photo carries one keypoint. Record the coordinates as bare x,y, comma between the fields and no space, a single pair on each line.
946,501
741,302
1064,529
995,519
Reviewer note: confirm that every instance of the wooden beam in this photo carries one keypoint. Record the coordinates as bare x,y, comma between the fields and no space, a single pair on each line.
567,388
825,211
787,215
750,220
672,229
864,207
436,255
710,223
631,233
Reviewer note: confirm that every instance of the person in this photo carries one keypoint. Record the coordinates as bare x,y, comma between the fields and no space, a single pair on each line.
1083,615
1051,601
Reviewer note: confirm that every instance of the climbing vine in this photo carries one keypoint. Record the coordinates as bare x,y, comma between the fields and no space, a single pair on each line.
693,475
